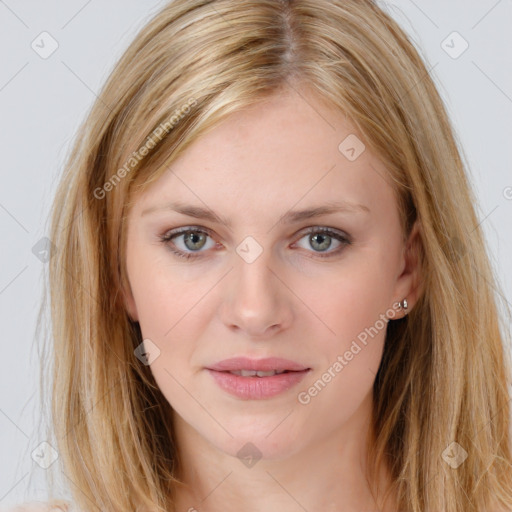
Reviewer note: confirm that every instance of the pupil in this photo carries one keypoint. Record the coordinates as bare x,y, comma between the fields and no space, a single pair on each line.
194,238
325,245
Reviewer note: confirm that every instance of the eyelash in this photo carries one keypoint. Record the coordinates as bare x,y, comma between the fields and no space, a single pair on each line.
169,235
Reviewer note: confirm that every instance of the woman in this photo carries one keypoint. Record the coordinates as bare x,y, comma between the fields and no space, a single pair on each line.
270,289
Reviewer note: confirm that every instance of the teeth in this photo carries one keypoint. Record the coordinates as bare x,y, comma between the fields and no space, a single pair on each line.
254,373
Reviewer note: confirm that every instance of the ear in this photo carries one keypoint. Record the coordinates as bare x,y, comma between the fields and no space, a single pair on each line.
409,282
129,302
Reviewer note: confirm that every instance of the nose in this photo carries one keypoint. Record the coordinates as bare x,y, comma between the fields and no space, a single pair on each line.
255,300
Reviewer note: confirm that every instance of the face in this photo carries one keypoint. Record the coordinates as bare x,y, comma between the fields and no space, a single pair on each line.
258,280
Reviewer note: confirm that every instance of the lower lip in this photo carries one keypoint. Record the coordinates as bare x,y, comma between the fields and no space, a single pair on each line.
257,388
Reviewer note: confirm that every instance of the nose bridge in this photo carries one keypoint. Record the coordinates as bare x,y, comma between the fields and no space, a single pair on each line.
256,300
254,283
253,278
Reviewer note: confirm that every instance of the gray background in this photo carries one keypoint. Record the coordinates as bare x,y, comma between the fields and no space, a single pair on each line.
43,101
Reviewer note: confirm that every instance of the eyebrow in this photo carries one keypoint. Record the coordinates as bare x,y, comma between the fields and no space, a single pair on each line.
290,217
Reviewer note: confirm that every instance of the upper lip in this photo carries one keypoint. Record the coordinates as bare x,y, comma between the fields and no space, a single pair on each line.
264,365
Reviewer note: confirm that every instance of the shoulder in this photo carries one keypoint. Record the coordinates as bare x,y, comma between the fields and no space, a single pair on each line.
39,506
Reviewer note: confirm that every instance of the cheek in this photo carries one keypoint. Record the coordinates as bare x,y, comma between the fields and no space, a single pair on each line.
167,308
351,308
348,301
164,294
355,310
171,315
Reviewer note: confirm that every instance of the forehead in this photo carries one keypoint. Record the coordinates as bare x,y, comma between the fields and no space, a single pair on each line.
290,149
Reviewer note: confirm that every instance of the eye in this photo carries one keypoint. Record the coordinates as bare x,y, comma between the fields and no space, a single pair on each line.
321,239
192,239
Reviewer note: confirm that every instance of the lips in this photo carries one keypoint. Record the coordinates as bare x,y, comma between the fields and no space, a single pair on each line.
269,364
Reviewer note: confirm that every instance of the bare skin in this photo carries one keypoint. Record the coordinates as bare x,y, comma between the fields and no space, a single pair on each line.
289,302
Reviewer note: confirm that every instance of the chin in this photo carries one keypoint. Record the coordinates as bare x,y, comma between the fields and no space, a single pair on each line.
252,448
263,439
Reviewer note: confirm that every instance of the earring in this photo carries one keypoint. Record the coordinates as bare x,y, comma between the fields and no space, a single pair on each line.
403,304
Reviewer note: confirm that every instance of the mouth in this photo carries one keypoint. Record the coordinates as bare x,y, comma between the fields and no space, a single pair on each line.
256,373
267,367
254,384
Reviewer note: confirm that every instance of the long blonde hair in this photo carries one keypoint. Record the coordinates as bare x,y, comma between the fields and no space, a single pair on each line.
445,368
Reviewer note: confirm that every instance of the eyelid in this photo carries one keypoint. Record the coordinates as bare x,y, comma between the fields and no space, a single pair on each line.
184,229
308,229
326,229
